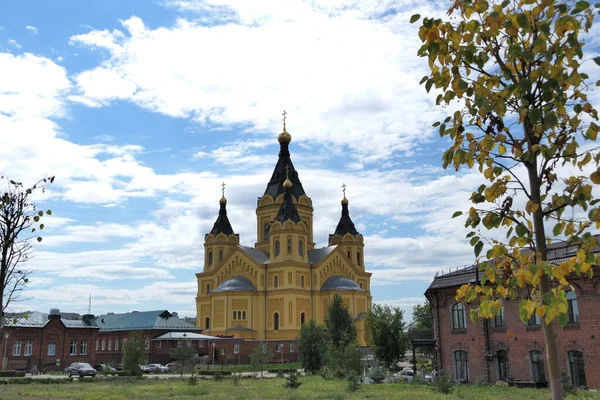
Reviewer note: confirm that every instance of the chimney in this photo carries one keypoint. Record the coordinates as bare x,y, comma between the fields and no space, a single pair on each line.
88,319
54,313
175,314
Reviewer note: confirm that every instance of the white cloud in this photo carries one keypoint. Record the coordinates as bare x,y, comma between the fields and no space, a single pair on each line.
278,55
14,43
32,29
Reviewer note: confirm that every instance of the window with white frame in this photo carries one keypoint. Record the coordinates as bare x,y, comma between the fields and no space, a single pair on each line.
109,344
202,343
147,344
103,344
158,344
116,344
499,319
28,348
83,349
73,348
51,349
17,348
459,319
292,349
97,345
277,348
537,366
572,308
236,349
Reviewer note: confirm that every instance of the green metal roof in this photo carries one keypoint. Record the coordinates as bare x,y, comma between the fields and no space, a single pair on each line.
140,320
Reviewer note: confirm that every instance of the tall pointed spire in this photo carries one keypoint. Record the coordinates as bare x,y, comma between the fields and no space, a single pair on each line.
275,185
288,208
345,225
222,224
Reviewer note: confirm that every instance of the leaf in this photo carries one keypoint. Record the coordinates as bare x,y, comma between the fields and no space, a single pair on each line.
558,228
49,212
478,248
457,214
595,177
39,239
474,240
597,60
414,18
522,21
521,230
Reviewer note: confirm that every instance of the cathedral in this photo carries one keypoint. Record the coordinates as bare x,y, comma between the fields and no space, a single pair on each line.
268,291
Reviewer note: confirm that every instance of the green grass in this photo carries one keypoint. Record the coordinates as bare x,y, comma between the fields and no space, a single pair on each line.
312,388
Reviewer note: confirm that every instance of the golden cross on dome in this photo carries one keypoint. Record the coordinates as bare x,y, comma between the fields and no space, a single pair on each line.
344,189
287,172
284,114
223,189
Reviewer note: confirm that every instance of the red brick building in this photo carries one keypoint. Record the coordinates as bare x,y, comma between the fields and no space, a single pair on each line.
52,342
504,347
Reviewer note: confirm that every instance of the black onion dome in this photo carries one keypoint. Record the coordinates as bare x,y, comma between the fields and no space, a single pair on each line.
236,284
275,185
345,225
338,282
222,224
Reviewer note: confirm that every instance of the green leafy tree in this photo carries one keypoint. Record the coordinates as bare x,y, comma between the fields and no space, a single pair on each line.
339,324
523,120
260,356
20,222
185,356
386,333
134,354
421,317
311,345
339,361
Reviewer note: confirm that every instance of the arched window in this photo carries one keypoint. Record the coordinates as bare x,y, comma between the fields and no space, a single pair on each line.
358,257
573,308
277,250
537,366
239,315
116,344
289,246
208,288
244,315
499,319
210,258
576,368
301,280
302,318
461,366
234,315
207,323
147,344
103,344
459,320
97,345
349,256
276,321
276,281
360,284
301,248
220,255
109,344
502,356
267,230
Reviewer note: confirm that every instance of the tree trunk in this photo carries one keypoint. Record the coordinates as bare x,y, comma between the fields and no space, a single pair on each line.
550,331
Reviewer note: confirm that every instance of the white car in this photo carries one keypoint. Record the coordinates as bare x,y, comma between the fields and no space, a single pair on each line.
158,368
407,375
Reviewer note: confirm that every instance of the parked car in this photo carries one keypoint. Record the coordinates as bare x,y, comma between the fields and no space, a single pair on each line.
145,368
104,367
172,366
158,368
407,375
81,370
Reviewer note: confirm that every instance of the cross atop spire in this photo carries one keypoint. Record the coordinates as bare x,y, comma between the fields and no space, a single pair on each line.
287,171
223,189
344,189
284,115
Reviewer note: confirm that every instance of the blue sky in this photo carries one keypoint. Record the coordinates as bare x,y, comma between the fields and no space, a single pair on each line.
141,108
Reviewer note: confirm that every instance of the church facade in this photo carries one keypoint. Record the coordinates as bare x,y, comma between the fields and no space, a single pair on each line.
268,291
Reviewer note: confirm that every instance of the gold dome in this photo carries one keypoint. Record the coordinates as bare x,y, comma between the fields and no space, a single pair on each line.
287,183
284,137
345,201
223,200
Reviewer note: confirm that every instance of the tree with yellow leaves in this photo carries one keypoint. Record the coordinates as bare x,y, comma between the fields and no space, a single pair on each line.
525,122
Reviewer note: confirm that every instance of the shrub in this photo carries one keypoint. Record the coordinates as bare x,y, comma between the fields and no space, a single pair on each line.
291,381
192,380
377,375
443,383
353,381
218,376
214,373
11,374
568,388
481,381
236,379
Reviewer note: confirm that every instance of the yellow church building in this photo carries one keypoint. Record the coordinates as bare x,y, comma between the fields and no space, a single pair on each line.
268,291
